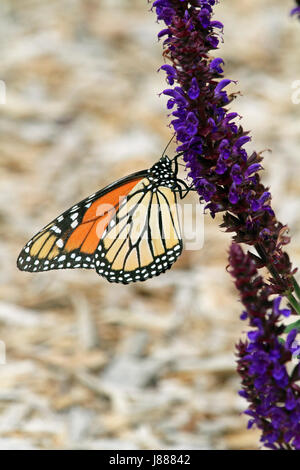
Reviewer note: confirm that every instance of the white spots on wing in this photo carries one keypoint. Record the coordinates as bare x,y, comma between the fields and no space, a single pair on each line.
60,243
27,249
62,258
60,218
74,216
78,258
36,262
88,205
74,224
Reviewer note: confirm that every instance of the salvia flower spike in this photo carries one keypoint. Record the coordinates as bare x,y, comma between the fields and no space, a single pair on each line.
225,176
268,366
227,180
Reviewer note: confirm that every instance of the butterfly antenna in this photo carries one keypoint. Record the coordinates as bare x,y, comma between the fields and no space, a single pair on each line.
163,154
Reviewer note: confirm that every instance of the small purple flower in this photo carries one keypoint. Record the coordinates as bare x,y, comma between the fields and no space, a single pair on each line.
236,174
204,16
252,169
292,344
194,89
215,65
219,93
171,73
296,10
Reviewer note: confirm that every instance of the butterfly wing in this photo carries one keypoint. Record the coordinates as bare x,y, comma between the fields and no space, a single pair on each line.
143,239
71,240
129,232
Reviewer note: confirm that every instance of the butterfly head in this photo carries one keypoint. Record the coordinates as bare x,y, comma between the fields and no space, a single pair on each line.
162,173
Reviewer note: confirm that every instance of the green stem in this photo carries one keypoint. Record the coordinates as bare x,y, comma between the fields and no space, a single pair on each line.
273,271
297,288
290,327
294,303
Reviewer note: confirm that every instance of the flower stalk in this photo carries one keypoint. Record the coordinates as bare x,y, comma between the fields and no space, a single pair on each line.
265,360
228,181
226,177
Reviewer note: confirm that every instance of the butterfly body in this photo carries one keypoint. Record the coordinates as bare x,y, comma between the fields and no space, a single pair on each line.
128,231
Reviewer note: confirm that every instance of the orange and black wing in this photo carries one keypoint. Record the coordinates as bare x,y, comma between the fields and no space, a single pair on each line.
71,240
128,232
143,239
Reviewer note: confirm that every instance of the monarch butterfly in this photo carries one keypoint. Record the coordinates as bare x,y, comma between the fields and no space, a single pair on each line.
129,231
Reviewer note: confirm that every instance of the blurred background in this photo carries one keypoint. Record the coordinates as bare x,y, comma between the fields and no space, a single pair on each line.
150,365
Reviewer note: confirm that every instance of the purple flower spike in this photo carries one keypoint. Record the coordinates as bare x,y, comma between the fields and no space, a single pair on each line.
227,179
197,104
273,396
